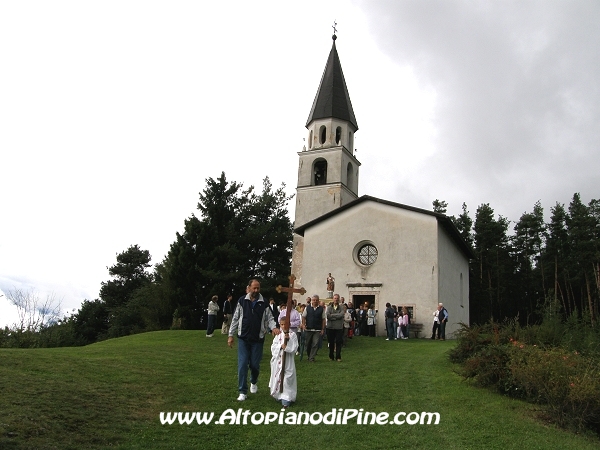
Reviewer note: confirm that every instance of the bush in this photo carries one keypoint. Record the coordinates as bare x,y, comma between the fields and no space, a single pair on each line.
527,363
16,338
567,383
489,367
470,341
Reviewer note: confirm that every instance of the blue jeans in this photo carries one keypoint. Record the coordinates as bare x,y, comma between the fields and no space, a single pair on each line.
249,355
210,327
389,322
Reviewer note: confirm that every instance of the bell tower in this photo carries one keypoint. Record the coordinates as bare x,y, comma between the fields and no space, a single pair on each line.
328,168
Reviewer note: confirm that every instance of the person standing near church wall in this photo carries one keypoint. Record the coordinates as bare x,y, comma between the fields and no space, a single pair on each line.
313,323
404,324
335,328
371,319
436,325
213,309
443,319
389,322
361,314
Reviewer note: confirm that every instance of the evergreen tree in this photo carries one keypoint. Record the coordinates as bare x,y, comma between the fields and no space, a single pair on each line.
489,286
464,224
239,235
90,323
528,281
581,231
440,206
129,274
554,257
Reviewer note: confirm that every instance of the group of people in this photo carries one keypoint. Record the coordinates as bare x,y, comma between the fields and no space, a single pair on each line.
397,322
253,318
315,321
213,309
440,318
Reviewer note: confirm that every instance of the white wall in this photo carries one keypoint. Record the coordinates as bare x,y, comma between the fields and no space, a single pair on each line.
454,282
406,266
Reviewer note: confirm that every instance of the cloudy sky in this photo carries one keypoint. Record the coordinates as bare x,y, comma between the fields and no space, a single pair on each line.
113,114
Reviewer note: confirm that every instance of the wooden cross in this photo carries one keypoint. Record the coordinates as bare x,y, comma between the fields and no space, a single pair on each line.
290,290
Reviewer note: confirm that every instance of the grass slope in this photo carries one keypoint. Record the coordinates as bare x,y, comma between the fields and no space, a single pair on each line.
110,394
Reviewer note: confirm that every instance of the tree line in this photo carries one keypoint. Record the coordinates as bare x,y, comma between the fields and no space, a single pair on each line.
537,266
237,234
240,234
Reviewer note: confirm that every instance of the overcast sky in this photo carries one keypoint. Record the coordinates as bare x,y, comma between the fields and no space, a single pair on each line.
113,114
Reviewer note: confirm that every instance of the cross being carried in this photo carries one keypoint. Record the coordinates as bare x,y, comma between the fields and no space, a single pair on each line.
291,291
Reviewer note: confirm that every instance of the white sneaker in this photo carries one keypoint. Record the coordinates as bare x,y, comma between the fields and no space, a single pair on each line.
241,397
253,388
209,335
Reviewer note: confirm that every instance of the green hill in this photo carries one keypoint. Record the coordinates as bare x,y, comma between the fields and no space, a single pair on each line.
111,394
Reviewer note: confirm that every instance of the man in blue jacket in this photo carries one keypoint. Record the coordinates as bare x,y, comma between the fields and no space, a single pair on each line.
252,319
443,319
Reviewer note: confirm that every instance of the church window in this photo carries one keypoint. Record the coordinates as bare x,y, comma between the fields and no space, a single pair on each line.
320,172
310,139
322,134
367,254
350,176
461,291
338,135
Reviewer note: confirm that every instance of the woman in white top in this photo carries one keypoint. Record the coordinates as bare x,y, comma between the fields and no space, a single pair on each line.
371,320
436,324
400,322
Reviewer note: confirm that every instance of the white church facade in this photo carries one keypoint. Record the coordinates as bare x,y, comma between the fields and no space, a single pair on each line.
378,251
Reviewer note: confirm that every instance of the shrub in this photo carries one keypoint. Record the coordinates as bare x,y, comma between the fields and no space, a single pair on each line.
528,363
567,383
489,367
470,341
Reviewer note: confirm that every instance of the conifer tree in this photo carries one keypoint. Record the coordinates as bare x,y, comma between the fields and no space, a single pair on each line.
238,235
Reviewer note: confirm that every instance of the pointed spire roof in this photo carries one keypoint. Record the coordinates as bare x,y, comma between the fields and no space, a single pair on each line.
332,99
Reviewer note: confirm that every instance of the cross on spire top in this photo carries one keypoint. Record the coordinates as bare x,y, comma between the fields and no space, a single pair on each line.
334,37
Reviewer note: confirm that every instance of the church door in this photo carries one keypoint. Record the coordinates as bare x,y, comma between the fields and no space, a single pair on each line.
358,300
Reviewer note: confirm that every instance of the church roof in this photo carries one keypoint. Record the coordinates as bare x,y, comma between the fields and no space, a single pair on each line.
442,219
332,99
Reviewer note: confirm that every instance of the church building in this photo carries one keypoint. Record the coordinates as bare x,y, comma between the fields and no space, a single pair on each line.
377,250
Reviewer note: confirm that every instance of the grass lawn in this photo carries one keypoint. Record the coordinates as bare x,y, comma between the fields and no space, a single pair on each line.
110,394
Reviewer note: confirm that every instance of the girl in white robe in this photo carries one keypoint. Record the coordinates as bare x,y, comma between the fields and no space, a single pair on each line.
278,348
400,322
